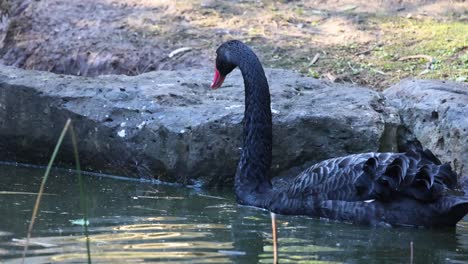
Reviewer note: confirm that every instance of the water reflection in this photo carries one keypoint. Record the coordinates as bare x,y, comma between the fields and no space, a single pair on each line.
133,223
149,239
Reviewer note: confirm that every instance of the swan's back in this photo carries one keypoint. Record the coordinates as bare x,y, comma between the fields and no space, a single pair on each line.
411,188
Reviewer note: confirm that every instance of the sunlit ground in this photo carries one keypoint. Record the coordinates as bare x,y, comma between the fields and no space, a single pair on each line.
363,42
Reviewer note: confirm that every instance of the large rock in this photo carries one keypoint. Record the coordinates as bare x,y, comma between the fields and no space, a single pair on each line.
171,126
436,113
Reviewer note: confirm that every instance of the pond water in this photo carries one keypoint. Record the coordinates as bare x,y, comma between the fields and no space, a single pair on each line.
133,222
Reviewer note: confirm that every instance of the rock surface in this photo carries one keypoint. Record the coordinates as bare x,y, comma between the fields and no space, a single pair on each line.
171,126
436,113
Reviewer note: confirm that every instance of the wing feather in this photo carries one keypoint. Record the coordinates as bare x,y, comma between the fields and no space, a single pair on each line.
415,174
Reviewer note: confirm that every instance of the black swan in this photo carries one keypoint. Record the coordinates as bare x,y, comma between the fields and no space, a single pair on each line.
396,189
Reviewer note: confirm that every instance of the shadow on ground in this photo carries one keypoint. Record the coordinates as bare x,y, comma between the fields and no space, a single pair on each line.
338,40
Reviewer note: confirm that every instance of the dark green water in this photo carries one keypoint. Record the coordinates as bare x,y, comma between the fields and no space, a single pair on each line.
132,222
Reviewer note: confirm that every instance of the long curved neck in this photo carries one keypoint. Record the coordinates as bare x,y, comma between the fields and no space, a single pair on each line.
253,172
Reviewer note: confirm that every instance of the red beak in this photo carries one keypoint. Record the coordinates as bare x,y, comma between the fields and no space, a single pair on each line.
218,80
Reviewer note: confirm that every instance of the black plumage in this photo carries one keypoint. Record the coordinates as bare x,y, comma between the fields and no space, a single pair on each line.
409,188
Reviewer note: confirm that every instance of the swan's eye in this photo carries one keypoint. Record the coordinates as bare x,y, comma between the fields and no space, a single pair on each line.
224,63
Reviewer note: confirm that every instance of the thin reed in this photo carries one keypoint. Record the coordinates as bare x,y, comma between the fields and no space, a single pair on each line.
68,127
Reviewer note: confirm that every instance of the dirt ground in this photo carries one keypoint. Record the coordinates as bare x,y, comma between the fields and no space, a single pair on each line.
373,43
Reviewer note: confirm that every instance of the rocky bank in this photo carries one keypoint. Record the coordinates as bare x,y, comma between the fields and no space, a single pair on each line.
169,125
436,113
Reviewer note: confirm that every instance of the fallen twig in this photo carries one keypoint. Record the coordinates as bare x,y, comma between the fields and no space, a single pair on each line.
315,59
378,71
368,50
420,56
364,52
331,77
349,8
351,66
178,51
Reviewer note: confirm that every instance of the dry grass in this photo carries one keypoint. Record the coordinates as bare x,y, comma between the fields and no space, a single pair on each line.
354,40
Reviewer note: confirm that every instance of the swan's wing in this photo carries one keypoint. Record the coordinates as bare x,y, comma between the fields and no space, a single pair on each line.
334,179
416,174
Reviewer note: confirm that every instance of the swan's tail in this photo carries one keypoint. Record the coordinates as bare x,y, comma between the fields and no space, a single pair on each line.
452,208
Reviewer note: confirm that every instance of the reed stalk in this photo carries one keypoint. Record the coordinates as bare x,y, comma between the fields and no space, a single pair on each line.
68,127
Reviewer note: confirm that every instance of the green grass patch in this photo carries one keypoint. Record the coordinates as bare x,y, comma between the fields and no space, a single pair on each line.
444,42
437,50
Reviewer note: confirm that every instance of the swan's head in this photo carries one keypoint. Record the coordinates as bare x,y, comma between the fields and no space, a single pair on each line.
226,60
